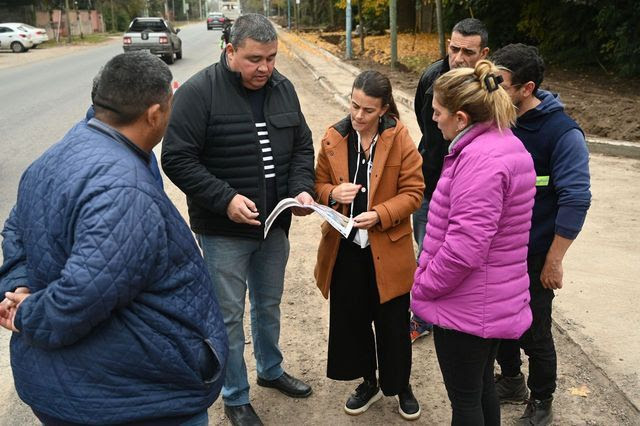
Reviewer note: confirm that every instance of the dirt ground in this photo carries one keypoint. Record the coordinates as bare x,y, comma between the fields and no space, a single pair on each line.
305,330
582,92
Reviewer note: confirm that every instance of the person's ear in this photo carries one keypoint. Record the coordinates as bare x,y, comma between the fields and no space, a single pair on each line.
230,51
528,88
384,110
484,53
462,119
154,115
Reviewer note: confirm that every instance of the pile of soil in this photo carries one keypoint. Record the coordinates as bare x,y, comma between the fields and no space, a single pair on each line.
603,104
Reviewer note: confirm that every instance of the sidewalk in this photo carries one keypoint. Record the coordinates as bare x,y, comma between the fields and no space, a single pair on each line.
336,77
599,268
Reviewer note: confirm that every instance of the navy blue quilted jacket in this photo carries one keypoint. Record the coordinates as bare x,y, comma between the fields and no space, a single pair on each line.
122,324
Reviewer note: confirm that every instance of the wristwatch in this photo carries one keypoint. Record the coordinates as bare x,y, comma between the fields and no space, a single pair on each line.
332,202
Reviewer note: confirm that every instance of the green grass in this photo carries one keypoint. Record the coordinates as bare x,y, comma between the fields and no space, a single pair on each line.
76,40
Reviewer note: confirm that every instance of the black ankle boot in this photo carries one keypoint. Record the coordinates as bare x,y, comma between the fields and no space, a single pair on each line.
537,413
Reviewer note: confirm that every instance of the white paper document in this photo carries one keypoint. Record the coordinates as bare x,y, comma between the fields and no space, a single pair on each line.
336,219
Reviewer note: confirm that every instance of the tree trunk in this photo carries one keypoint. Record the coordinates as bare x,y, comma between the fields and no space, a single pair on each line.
332,17
361,21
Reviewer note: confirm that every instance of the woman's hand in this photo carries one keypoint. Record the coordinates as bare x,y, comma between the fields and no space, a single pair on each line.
345,192
366,220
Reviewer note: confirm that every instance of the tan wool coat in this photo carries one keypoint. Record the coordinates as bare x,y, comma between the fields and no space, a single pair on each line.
396,190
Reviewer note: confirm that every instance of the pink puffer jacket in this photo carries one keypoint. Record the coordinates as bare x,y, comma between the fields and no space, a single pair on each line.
472,272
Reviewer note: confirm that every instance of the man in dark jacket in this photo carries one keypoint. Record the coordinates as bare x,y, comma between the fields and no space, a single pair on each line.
237,143
468,45
109,299
561,160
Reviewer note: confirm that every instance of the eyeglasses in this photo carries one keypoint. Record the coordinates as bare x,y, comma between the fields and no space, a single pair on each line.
513,86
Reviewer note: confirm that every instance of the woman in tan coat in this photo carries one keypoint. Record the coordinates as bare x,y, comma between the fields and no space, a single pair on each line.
369,169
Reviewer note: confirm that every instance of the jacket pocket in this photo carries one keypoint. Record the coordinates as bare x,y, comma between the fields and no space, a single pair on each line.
398,232
284,120
209,362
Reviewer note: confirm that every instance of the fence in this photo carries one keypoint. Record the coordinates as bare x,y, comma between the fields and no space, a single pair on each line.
82,22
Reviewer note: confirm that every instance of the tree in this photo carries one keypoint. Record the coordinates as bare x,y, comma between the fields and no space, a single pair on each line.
570,32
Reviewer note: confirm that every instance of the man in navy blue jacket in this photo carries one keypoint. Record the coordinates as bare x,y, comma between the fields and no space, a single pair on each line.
561,160
112,310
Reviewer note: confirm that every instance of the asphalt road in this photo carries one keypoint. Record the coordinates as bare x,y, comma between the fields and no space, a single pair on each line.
40,102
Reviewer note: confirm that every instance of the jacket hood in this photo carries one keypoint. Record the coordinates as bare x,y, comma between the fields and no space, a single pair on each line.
344,126
549,102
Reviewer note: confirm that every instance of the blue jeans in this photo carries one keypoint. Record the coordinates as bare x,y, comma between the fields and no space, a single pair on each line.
236,264
419,219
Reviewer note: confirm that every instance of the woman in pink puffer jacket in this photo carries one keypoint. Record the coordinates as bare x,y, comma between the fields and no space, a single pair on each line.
471,281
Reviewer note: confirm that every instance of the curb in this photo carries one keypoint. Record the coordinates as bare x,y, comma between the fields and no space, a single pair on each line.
593,363
322,80
597,145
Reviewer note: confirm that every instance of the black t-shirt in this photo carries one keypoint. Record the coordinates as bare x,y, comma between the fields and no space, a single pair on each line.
359,166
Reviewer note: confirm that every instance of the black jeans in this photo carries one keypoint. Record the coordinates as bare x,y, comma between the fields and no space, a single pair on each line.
466,362
537,342
354,305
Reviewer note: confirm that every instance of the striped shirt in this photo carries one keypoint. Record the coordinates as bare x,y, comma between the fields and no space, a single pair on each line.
265,146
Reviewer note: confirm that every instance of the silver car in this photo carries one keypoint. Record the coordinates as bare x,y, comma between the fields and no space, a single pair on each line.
154,35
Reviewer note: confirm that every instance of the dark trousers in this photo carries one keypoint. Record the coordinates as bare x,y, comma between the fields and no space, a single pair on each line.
466,362
537,342
354,305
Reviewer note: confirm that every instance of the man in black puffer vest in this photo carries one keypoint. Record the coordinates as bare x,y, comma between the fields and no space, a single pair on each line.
237,143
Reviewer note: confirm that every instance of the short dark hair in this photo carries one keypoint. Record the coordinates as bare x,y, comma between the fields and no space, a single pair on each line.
522,61
470,27
129,84
254,26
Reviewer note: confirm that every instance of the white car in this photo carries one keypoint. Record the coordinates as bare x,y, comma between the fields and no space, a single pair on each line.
15,37
38,35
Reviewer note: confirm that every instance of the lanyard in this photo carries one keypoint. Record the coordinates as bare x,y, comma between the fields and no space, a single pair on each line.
369,167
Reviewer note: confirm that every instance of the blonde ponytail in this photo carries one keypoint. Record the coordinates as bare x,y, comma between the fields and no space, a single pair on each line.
478,93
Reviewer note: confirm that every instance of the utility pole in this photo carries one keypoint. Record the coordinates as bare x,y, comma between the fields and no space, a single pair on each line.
393,23
289,15
361,22
113,18
78,19
349,53
440,27
68,19
200,4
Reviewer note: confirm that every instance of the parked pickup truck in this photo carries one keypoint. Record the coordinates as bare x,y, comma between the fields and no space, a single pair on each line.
155,35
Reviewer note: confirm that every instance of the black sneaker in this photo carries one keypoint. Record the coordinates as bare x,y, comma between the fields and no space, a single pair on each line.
366,394
537,413
511,390
408,406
